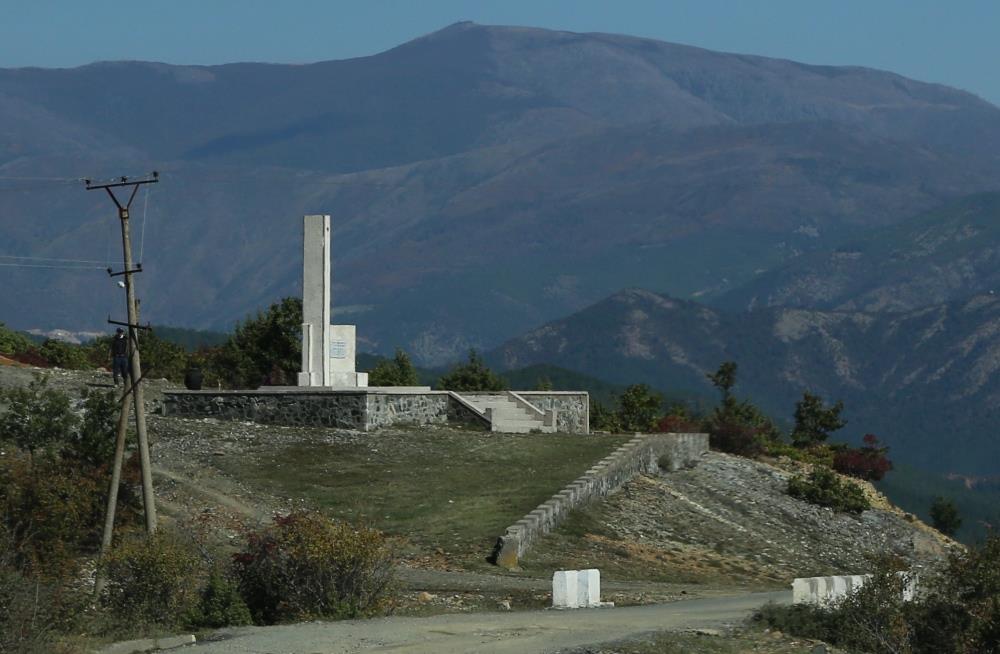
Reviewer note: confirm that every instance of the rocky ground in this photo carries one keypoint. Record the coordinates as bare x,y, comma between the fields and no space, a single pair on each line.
730,518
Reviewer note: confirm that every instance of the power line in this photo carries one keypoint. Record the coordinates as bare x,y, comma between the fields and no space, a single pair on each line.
12,256
43,179
40,265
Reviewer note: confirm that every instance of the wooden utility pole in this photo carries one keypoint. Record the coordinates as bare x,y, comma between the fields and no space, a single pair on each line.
148,501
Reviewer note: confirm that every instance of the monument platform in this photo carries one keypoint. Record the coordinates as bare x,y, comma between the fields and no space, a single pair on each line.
371,408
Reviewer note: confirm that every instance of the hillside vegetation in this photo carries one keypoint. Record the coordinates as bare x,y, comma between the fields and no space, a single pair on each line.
908,377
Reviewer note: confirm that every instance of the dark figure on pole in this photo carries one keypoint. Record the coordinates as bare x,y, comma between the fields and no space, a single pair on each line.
119,356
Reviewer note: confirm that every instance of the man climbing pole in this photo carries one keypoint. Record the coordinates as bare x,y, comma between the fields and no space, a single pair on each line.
119,356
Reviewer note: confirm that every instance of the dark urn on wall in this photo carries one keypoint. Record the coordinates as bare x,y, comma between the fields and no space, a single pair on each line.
193,378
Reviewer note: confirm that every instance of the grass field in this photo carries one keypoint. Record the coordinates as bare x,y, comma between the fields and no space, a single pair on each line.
445,492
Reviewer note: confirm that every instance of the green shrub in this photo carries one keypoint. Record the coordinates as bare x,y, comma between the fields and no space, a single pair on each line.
944,516
64,355
152,581
872,619
471,376
12,342
34,611
603,418
956,610
36,416
398,371
802,620
220,604
818,455
52,509
306,566
94,441
825,488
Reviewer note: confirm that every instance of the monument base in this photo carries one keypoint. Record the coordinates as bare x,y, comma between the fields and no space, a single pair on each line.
349,379
337,380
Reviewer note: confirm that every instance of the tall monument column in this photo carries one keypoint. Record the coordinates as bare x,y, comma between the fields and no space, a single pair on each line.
328,351
315,301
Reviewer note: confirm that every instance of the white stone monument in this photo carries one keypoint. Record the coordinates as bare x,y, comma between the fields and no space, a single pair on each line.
328,351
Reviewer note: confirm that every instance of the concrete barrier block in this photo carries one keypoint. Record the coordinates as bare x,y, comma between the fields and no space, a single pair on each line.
801,592
588,588
564,589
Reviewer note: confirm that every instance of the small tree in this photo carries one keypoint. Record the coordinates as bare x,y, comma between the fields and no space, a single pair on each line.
94,442
12,342
471,376
543,383
814,420
398,371
36,416
271,338
603,418
868,462
306,566
944,516
638,408
724,379
737,427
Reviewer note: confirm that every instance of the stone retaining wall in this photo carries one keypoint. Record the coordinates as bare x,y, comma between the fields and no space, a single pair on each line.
344,410
642,454
572,409
364,410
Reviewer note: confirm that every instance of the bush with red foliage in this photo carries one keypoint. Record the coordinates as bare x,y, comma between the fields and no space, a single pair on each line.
868,462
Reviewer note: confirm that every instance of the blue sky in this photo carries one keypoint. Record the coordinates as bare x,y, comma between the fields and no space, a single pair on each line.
949,42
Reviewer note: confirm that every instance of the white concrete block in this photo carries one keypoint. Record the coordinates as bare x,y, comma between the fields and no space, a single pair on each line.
801,592
839,589
564,589
588,588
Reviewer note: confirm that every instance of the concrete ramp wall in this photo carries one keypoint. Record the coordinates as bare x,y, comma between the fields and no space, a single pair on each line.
645,453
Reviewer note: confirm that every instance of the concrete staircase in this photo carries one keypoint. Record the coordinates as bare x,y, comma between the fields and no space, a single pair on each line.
512,414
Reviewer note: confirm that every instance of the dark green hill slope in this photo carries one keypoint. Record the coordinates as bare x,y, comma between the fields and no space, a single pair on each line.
927,381
944,254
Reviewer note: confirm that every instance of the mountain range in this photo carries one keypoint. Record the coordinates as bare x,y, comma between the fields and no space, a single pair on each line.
482,180
927,381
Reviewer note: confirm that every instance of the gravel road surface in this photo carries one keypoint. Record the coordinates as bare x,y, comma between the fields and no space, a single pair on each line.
501,633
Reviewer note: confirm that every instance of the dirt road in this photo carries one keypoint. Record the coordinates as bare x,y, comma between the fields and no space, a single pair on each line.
500,633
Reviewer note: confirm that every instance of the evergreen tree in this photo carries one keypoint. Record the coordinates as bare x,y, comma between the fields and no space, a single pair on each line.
639,408
944,516
398,371
471,376
271,339
814,420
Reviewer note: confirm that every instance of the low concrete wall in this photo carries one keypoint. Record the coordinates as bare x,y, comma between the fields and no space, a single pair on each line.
642,454
824,591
